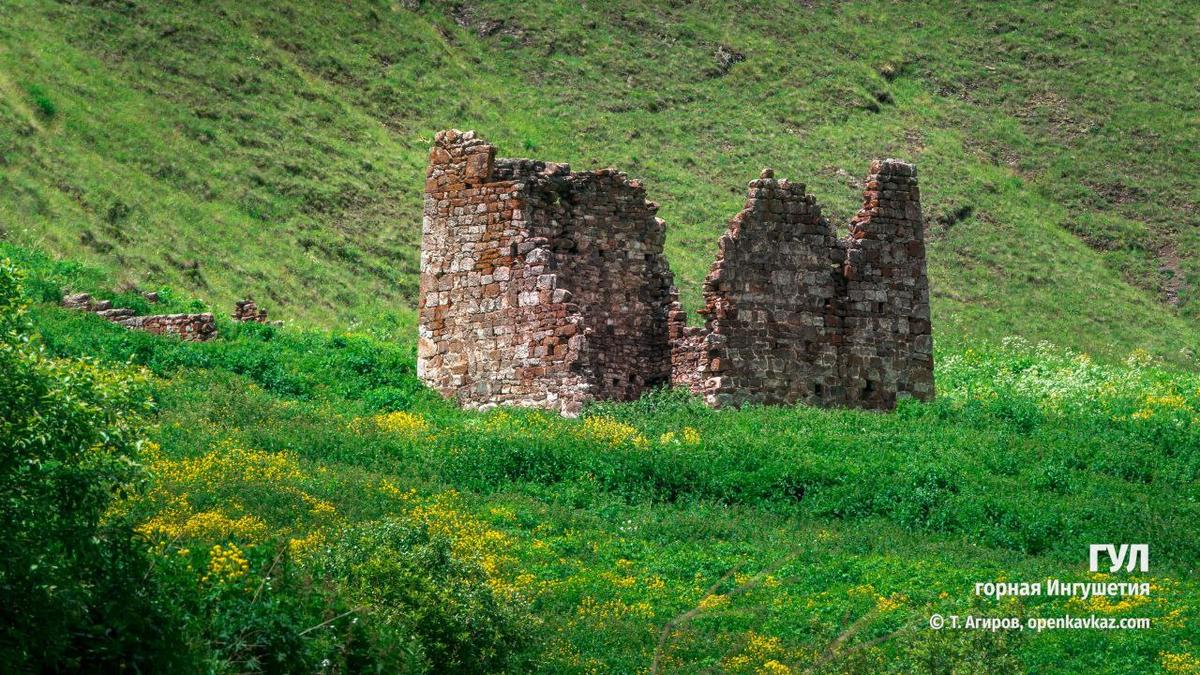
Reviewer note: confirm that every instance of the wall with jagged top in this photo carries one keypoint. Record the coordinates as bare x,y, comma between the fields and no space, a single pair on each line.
548,288
772,304
796,314
888,350
539,287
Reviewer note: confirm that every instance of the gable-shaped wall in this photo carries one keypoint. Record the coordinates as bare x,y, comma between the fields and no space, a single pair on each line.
795,314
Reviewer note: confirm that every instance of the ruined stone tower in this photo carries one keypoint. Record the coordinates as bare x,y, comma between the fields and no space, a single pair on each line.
539,286
547,288
793,313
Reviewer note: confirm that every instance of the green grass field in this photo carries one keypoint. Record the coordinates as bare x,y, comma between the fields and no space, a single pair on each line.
293,500
573,544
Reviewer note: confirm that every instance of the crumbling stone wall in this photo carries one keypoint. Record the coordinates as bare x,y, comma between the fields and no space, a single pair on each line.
888,351
771,304
607,247
795,314
548,288
198,327
539,286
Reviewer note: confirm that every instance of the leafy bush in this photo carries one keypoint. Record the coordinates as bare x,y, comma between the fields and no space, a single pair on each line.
74,584
456,615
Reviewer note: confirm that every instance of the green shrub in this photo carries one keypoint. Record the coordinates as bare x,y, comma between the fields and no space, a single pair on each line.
75,586
413,581
254,610
46,106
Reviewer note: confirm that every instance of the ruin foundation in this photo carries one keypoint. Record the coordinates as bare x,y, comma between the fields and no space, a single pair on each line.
195,327
248,311
548,288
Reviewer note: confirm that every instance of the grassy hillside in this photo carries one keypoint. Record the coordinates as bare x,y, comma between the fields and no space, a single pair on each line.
309,507
291,499
277,149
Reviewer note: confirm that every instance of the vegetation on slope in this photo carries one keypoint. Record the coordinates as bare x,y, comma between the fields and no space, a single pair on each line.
305,487
277,149
77,589
297,501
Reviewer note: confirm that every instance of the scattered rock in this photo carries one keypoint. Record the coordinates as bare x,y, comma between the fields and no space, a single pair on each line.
726,57
81,301
246,310
468,17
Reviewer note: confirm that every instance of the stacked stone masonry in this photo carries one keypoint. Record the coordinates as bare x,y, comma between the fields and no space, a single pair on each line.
548,288
249,311
197,327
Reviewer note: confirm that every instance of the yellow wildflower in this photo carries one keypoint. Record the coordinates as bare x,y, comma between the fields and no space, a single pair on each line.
399,422
612,432
299,548
773,667
172,525
226,564
1179,663
891,602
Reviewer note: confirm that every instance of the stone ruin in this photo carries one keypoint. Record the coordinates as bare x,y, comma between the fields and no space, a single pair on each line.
197,327
548,288
248,311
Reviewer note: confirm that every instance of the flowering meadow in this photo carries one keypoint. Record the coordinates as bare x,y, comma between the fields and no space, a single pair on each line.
294,501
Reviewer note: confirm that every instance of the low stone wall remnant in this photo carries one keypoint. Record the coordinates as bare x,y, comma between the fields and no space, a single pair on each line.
248,310
197,327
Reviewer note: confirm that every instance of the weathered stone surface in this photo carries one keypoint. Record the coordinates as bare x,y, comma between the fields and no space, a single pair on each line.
548,288
539,286
248,310
795,314
889,343
198,327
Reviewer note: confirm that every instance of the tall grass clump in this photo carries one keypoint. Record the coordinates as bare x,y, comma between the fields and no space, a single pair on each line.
46,107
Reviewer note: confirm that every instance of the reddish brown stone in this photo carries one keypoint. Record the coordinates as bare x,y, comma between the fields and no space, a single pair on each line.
195,327
579,303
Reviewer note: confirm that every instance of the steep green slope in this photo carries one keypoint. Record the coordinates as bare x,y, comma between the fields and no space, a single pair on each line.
277,149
